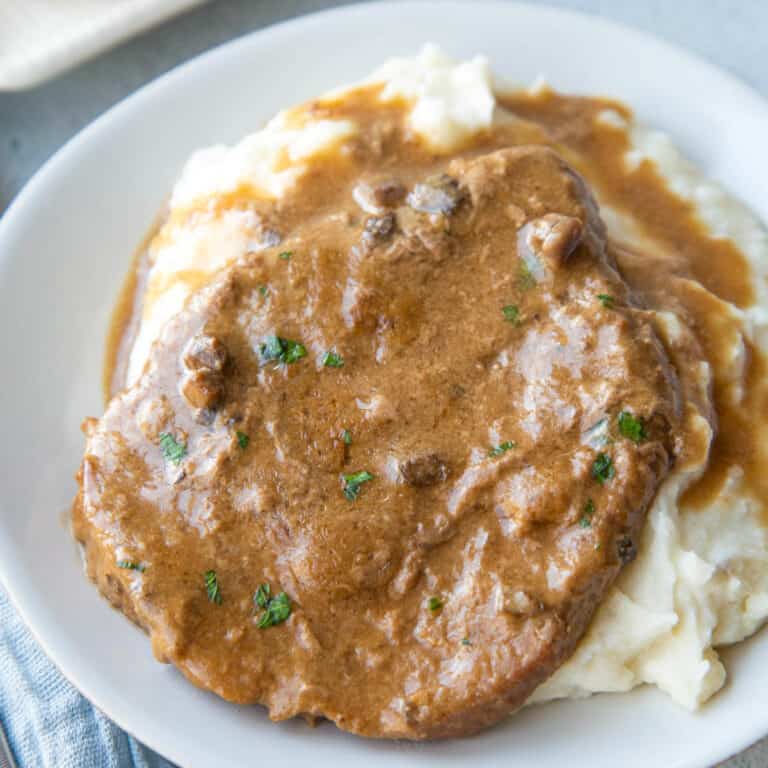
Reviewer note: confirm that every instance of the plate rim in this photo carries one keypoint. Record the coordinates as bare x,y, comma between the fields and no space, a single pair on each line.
12,580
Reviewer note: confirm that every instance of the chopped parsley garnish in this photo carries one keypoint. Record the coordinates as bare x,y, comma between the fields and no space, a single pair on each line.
631,428
242,439
285,255
589,511
293,351
333,360
465,641
346,436
353,482
276,609
526,278
282,350
131,565
602,468
434,603
264,291
271,348
263,595
507,445
606,300
171,449
212,587
511,313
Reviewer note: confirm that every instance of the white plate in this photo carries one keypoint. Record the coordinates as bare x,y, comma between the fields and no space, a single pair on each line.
65,245
41,38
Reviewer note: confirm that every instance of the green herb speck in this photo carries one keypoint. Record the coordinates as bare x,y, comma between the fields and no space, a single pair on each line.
131,565
171,449
586,517
526,280
434,603
212,587
263,595
281,350
507,445
631,428
606,300
602,468
511,313
276,609
333,360
353,482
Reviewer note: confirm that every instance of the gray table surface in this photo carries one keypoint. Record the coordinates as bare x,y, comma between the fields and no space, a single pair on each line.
35,123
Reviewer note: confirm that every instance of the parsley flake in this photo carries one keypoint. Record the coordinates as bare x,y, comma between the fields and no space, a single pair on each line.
526,279
465,641
346,436
511,314
242,439
172,450
212,587
333,360
434,603
264,291
602,468
281,350
131,565
496,451
353,482
263,595
606,300
589,511
285,255
631,428
276,609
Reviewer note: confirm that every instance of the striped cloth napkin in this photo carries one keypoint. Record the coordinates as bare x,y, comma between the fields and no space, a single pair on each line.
47,722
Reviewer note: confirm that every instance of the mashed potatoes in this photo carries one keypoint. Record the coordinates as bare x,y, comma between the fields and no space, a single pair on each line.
701,576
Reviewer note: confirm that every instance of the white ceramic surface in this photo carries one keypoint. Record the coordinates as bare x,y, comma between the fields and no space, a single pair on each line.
64,246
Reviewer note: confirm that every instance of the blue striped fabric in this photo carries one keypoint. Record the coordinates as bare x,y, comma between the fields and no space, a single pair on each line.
47,722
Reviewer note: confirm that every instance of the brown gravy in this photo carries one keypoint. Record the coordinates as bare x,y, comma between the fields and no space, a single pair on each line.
361,570
124,321
597,150
716,263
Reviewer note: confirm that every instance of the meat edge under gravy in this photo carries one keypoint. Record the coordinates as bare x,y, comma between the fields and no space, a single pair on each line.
559,632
